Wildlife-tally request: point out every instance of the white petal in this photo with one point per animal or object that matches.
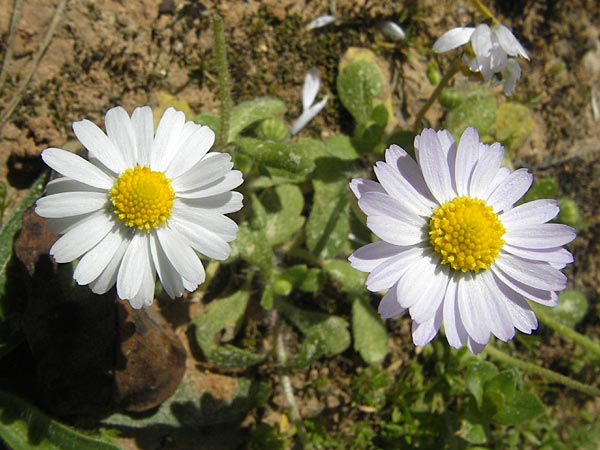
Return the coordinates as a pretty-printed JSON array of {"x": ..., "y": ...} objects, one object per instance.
[
  {"x": 509, "y": 42},
  {"x": 191, "y": 151},
  {"x": 544, "y": 235},
  {"x": 453, "y": 326},
  {"x": 467, "y": 155},
  {"x": 169, "y": 129},
  {"x": 432, "y": 295},
  {"x": 131, "y": 272},
  {"x": 389, "y": 272},
  {"x": 360, "y": 186},
  {"x": 452, "y": 39},
  {"x": 307, "y": 115},
  {"x": 169, "y": 277},
  {"x": 542, "y": 296},
  {"x": 145, "y": 295},
  {"x": 424, "y": 332},
  {"x": 556, "y": 257},
  {"x": 532, "y": 213},
  {"x": 226, "y": 183},
  {"x": 472, "y": 308},
  {"x": 497, "y": 315},
  {"x": 392, "y": 30},
  {"x": 378, "y": 204},
  {"x": 321, "y": 21},
  {"x": 395, "y": 231},
  {"x": 389, "y": 306},
  {"x": 310, "y": 88},
  {"x": 521, "y": 315},
  {"x": 434, "y": 165},
  {"x": 419, "y": 282},
  {"x": 401, "y": 178},
  {"x": 510, "y": 190},
  {"x": 82, "y": 237},
  {"x": 94, "y": 262},
  {"x": 99, "y": 146},
  {"x": 511, "y": 74},
  {"x": 536, "y": 274},
  {"x": 371, "y": 255},
  {"x": 120, "y": 131},
  {"x": 108, "y": 277},
  {"x": 201, "y": 239},
  {"x": 66, "y": 184},
  {"x": 224, "y": 203},
  {"x": 143, "y": 125},
  {"x": 180, "y": 255},
  {"x": 217, "y": 223},
  {"x": 481, "y": 40},
  {"x": 77, "y": 168},
  {"x": 213, "y": 167},
  {"x": 475, "y": 347},
  {"x": 488, "y": 165},
  {"x": 70, "y": 204}
]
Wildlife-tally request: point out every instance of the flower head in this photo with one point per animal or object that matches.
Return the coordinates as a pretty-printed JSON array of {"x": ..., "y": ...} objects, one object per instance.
[
  {"x": 144, "y": 204},
  {"x": 310, "y": 88},
  {"x": 491, "y": 51},
  {"x": 454, "y": 249}
]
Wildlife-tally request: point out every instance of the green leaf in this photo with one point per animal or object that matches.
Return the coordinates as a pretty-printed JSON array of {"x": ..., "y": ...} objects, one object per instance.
[
  {"x": 473, "y": 433},
  {"x": 571, "y": 309},
  {"x": 298, "y": 277},
  {"x": 249, "y": 112},
  {"x": 283, "y": 208},
  {"x": 293, "y": 158},
  {"x": 514, "y": 124},
  {"x": 331, "y": 330},
  {"x": 524, "y": 406},
  {"x": 369, "y": 332},
  {"x": 351, "y": 280},
  {"x": 477, "y": 375},
  {"x": 24, "y": 427},
  {"x": 253, "y": 246},
  {"x": 328, "y": 224},
  {"x": 478, "y": 109},
  {"x": 230, "y": 357},
  {"x": 210, "y": 120},
  {"x": 544, "y": 188},
  {"x": 341, "y": 147},
  {"x": 358, "y": 84}
]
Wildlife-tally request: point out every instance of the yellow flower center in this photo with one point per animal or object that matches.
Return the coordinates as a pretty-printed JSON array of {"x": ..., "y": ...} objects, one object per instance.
[
  {"x": 142, "y": 198},
  {"x": 466, "y": 233}
]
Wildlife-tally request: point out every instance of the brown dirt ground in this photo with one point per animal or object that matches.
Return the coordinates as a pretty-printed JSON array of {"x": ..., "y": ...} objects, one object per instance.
[{"x": 110, "y": 52}]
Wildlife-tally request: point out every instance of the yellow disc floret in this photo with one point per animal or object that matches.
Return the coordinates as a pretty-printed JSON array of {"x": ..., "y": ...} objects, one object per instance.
[
  {"x": 466, "y": 233},
  {"x": 142, "y": 198}
]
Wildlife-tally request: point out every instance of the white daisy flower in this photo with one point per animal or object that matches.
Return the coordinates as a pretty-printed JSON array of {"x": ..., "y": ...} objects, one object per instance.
[
  {"x": 454, "y": 249},
  {"x": 142, "y": 205},
  {"x": 491, "y": 48},
  {"x": 310, "y": 89}
]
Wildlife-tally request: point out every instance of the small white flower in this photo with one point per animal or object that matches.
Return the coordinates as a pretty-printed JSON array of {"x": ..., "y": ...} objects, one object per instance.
[
  {"x": 492, "y": 49},
  {"x": 310, "y": 88},
  {"x": 454, "y": 249},
  {"x": 321, "y": 21},
  {"x": 142, "y": 205},
  {"x": 392, "y": 30}
]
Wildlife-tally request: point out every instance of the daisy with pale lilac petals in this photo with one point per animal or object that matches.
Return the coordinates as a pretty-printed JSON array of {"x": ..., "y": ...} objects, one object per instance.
[
  {"x": 310, "y": 89},
  {"x": 491, "y": 51},
  {"x": 143, "y": 205},
  {"x": 454, "y": 249}
]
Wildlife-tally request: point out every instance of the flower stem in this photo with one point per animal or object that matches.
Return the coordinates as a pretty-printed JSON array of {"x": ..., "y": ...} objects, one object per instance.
[
  {"x": 286, "y": 385},
  {"x": 486, "y": 12},
  {"x": 223, "y": 78},
  {"x": 545, "y": 373},
  {"x": 576, "y": 337},
  {"x": 435, "y": 94}
]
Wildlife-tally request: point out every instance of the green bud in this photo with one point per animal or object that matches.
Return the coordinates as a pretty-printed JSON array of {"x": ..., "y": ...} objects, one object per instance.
[
  {"x": 272, "y": 129},
  {"x": 451, "y": 98},
  {"x": 570, "y": 213},
  {"x": 433, "y": 74},
  {"x": 282, "y": 287}
]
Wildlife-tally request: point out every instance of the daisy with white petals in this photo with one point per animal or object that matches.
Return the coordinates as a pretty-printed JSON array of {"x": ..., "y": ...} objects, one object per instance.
[
  {"x": 144, "y": 204},
  {"x": 454, "y": 249},
  {"x": 491, "y": 49}
]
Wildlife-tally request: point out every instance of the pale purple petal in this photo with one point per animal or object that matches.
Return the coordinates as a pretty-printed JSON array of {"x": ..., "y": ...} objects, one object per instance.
[
  {"x": 544, "y": 235},
  {"x": 453, "y": 326},
  {"x": 389, "y": 271},
  {"x": 395, "y": 231},
  {"x": 389, "y": 306},
  {"x": 510, "y": 190},
  {"x": 473, "y": 311},
  {"x": 536, "y": 274},
  {"x": 424, "y": 332},
  {"x": 534, "y": 213},
  {"x": 378, "y": 204},
  {"x": 467, "y": 155},
  {"x": 556, "y": 257},
  {"x": 360, "y": 186},
  {"x": 488, "y": 165},
  {"x": 542, "y": 296},
  {"x": 371, "y": 255}
]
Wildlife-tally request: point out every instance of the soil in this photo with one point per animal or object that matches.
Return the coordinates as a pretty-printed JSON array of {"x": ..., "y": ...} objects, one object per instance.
[{"x": 109, "y": 52}]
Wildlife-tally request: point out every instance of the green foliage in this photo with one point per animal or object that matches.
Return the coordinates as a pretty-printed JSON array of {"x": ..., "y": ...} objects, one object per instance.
[
  {"x": 514, "y": 124},
  {"x": 476, "y": 108},
  {"x": 283, "y": 213},
  {"x": 250, "y": 112},
  {"x": 570, "y": 214},
  {"x": 571, "y": 309},
  {"x": 273, "y": 129},
  {"x": 24, "y": 427},
  {"x": 358, "y": 84},
  {"x": 543, "y": 188},
  {"x": 223, "y": 317},
  {"x": 369, "y": 332}
]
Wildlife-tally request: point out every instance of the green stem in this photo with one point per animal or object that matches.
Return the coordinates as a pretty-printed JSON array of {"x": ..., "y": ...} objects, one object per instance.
[
  {"x": 435, "y": 94},
  {"x": 486, "y": 12},
  {"x": 223, "y": 78},
  {"x": 542, "y": 372},
  {"x": 286, "y": 385},
  {"x": 576, "y": 337}
]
